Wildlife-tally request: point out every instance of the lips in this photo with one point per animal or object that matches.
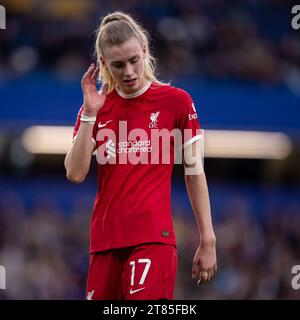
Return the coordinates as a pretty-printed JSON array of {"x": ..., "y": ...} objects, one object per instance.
[{"x": 130, "y": 82}]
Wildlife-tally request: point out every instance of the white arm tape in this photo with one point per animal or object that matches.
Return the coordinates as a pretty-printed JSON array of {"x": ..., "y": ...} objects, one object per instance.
[{"x": 194, "y": 161}]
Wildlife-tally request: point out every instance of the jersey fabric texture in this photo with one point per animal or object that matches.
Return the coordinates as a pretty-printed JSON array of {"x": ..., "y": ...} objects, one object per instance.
[{"x": 133, "y": 200}]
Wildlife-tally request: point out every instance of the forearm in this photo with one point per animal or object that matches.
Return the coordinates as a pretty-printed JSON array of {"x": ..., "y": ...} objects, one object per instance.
[
  {"x": 199, "y": 198},
  {"x": 78, "y": 159}
]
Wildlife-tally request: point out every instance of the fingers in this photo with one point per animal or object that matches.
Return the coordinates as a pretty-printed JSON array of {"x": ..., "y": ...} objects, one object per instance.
[
  {"x": 104, "y": 89},
  {"x": 213, "y": 270},
  {"x": 89, "y": 73},
  {"x": 203, "y": 277},
  {"x": 195, "y": 271},
  {"x": 90, "y": 70},
  {"x": 210, "y": 274},
  {"x": 206, "y": 275},
  {"x": 95, "y": 73}
]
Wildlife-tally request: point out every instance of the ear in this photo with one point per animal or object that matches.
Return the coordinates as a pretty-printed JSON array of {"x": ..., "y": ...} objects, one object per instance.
[{"x": 103, "y": 62}]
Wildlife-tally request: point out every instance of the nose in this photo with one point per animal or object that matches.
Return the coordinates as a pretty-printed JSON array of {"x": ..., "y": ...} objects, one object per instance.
[{"x": 128, "y": 70}]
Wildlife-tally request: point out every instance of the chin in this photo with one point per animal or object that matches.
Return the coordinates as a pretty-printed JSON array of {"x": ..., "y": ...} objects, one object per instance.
[{"x": 131, "y": 89}]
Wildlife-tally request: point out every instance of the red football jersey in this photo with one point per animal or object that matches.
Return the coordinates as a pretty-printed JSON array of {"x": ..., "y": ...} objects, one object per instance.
[{"x": 133, "y": 201}]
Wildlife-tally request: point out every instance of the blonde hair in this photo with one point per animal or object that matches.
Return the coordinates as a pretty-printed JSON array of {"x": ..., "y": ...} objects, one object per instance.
[{"x": 115, "y": 29}]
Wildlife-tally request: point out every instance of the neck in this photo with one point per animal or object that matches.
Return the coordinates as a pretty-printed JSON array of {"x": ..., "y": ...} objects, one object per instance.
[{"x": 136, "y": 93}]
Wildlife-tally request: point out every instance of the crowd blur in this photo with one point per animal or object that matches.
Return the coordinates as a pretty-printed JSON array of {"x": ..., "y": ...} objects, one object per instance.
[
  {"x": 45, "y": 250},
  {"x": 255, "y": 254},
  {"x": 218, "y": 39}
]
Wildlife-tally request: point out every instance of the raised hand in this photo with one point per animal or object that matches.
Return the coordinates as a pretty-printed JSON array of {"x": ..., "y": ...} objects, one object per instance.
[{"x": 92, "y": 99}]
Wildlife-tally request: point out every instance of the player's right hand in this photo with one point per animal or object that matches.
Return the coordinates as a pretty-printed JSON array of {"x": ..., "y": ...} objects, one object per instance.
[{"x": 92, "y": 99}]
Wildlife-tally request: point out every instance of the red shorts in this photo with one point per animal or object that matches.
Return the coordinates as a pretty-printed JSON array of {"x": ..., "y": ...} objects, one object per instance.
[{"x": 145, "y": 272}]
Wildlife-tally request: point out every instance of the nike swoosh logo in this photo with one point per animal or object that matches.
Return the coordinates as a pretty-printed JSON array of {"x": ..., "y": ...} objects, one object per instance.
[
  {"x": 103, "y": 125},
  {"x": 90, "y": 295},
  {"x": 134, "y": 291}
]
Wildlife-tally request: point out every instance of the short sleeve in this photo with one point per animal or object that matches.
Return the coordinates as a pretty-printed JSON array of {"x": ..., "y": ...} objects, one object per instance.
[
  {"x": 187, "y": 118},
  {"x": 77, "y": 126}
]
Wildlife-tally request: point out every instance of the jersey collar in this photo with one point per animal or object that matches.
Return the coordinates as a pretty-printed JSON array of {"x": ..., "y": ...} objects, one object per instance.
[{"x": 134, "y": 94}]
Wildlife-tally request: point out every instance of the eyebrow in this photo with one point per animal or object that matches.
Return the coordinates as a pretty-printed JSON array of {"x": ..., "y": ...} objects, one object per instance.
[{"x": 135, "y": 56}]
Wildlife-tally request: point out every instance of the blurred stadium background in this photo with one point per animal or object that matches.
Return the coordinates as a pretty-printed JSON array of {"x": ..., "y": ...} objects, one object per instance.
[{"x": 240, "y": 60}]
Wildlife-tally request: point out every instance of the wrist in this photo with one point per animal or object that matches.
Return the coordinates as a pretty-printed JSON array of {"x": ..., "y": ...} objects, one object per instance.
[
  {"x": 87, "y": 119},
  {"x": 208, "y": 239},
  {"x": 88, "y": 113}
]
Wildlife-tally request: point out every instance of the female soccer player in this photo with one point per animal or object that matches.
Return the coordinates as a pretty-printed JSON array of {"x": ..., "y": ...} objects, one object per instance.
[{"x": 132, "y": 242}]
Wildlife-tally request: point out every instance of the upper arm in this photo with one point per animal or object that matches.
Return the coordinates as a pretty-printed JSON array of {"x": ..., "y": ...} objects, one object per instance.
[
  {"x": 192, "y": 136},
  {"x": 193, "y": 158}
]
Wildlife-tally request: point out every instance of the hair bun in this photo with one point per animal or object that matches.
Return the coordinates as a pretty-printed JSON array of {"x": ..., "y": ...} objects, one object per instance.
[
  {"x": 111, "y": 19},
  {"x": 115, "y": 16}
]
